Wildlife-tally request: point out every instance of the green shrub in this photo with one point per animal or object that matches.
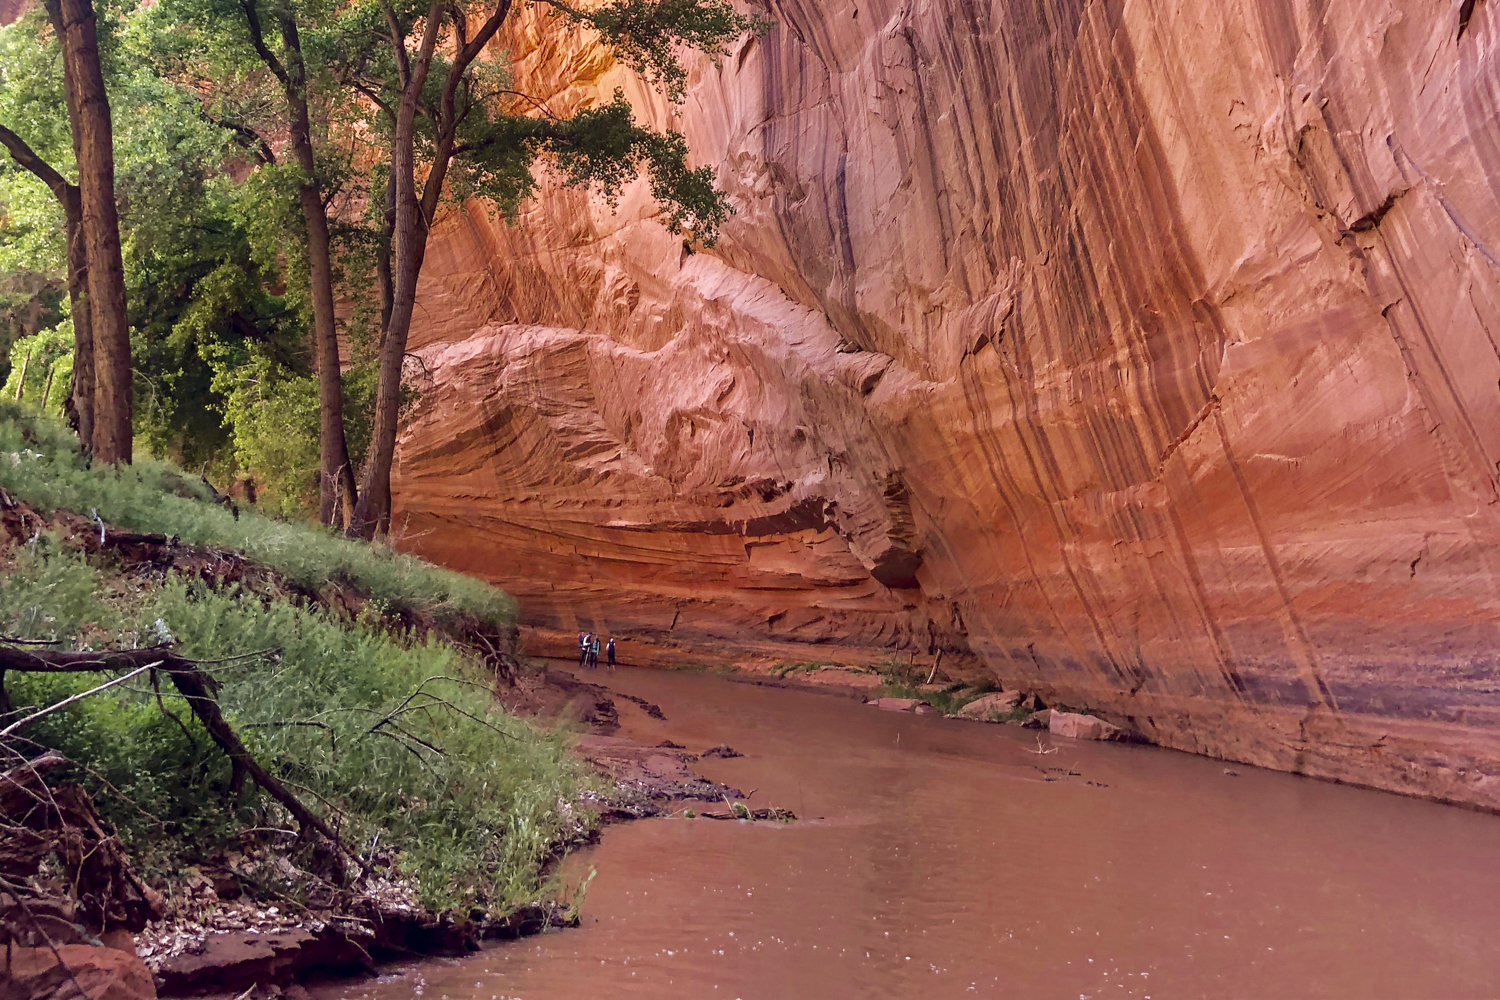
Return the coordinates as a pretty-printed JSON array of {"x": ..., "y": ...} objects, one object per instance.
[
  {"x": 40, "y": 464},
  {"x": 948, "y": 701},
  {"x": 786, "y": 668},
  {"x": 381, "y": 738}
]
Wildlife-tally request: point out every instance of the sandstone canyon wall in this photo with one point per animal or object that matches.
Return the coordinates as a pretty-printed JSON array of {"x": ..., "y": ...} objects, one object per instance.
[{"x": 1141, "y": 353}]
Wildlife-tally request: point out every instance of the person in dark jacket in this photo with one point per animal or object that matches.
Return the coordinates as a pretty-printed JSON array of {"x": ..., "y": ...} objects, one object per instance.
[{"x": 609, "y": 652}]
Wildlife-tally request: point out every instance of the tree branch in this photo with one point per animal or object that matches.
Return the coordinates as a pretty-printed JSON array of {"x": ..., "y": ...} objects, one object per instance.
[
  {"x": 27, "y": 157},
  {"x": 247, "y": 137},
  {"x": 374, "y": 97},
  {"x": 447, "y": 126},
  {"x": 28, "y": 661},
  {"x": 258, "y": 40},
  {"x": 398, "y": 44}
]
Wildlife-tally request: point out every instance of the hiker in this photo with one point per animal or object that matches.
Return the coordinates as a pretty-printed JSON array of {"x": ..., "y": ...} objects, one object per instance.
[
  {"x": 609, "y": 652},
  {"x": 594, "y": 654},
  {"x": 583, "y": 648}
]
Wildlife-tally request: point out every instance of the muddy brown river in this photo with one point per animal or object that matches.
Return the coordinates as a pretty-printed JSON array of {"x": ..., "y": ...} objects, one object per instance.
[{"x": 944, "y": 859}]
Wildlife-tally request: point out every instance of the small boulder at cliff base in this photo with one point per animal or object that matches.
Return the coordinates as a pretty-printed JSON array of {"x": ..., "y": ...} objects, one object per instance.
[
  {"x": 989, "y": 707},
  {"x": 1082, "y": 727}
]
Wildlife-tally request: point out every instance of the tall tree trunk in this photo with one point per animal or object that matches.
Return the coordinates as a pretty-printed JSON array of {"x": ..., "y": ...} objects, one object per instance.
[
  {"x": 336, "y": 488},
  {"x": 83, "y": 338},
  {"x": 84, "y": 386},
  {"x": 21, "y": 382},
  {"x": 412, "y": 226},
  {"x": 383, "y": 255},
  {"x": 93, "y": 137},
  {"x": 81, "y": 395},
  {"x": 372, "y": 517}
]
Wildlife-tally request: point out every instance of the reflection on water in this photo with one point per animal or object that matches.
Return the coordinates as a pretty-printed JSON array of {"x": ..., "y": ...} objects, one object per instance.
[{"x": 948, "y": 859}]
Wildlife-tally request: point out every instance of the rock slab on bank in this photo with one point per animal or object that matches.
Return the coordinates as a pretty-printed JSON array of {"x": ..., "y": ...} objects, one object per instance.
[
  {"x": 103, "y": 973},
  {"x": 1082, "y": 727},
  {"x": 985, "y": 708},
  {"x": 241, "y": 957}
]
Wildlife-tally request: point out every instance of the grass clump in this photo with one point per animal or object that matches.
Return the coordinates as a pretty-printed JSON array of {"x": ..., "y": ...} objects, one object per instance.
[
  {"x": 394, "y": 743},
  {"x": 40, "y": 465},
  {"x": 786, "y": 668},
  {"x": 946, "y": 701},
  {"x": 903, "y": 679},
  {"x": 723, "y": 670}
]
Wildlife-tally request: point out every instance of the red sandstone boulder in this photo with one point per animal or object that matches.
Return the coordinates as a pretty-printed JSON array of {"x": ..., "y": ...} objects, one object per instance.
[
  {"x": 1081, "y": 727},
  {"x": 988, "y": 707},
  {"x": 228, "y": 960},
  {"x": 1039, "y": 720},
  {"x": 102, "y": 973}
]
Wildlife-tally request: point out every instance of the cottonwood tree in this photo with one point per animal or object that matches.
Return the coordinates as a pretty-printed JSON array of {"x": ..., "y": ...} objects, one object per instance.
[
  {"x": 273, "y": 31},
  {"x": 446, "y": 114},
  {"x": 93, "y": 141}
]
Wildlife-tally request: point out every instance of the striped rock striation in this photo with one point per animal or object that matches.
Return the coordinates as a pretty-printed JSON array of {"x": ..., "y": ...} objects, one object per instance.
[{"x": 1145, "y": 354}]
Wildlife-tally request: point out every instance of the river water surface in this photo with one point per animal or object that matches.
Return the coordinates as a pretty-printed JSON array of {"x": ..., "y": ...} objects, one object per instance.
[{"x": 945, "y": 859}]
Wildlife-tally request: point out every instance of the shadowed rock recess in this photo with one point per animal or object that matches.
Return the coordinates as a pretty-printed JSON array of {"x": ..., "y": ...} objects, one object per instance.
[{"x": 1140, "y": 354}]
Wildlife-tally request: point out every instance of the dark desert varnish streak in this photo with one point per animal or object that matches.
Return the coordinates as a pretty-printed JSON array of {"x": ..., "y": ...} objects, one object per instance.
[{"x": 945, "y": 864}]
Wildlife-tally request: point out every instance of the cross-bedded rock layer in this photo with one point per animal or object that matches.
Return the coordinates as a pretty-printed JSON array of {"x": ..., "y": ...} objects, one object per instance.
[{"x": 1141, "y": 353}]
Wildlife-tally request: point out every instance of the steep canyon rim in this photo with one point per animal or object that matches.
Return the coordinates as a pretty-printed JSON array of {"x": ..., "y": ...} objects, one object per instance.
[{"x": 1139, "y": 353}]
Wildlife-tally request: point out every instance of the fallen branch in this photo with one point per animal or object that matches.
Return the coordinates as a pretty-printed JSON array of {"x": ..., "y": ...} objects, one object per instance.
[
  {"x": 1039, "y": 748},
  {"x": 48, "y": 662},
  {"x": 198, "y": 688},
  {"x": 49, "y": 753},
  {"x": 16, "y": 784}
]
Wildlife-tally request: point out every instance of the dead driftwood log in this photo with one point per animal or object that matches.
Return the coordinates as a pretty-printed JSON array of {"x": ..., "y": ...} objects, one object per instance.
[
  {"x": 199, "y": 689},
  {"x": 38, "y": 822}
]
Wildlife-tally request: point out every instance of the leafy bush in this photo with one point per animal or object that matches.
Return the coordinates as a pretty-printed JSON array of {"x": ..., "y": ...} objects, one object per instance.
[
  {"x": 40, "y": 464},
  {"x": 275, "y": 430}
]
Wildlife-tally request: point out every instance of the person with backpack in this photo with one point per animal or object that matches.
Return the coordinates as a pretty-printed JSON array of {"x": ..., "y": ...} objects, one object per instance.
[
  {"x": 609, "y": 652},
  {"x": 583, "y": 648},
  {"x": 594, "y": 653}
]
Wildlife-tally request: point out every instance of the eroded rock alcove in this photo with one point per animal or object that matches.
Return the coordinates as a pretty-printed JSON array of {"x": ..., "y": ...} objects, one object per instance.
[{"x": 1139, "y": 353}]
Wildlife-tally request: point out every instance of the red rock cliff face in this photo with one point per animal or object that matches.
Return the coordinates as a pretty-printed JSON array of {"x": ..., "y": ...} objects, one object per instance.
[{"x": 1148, "y": 353}]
